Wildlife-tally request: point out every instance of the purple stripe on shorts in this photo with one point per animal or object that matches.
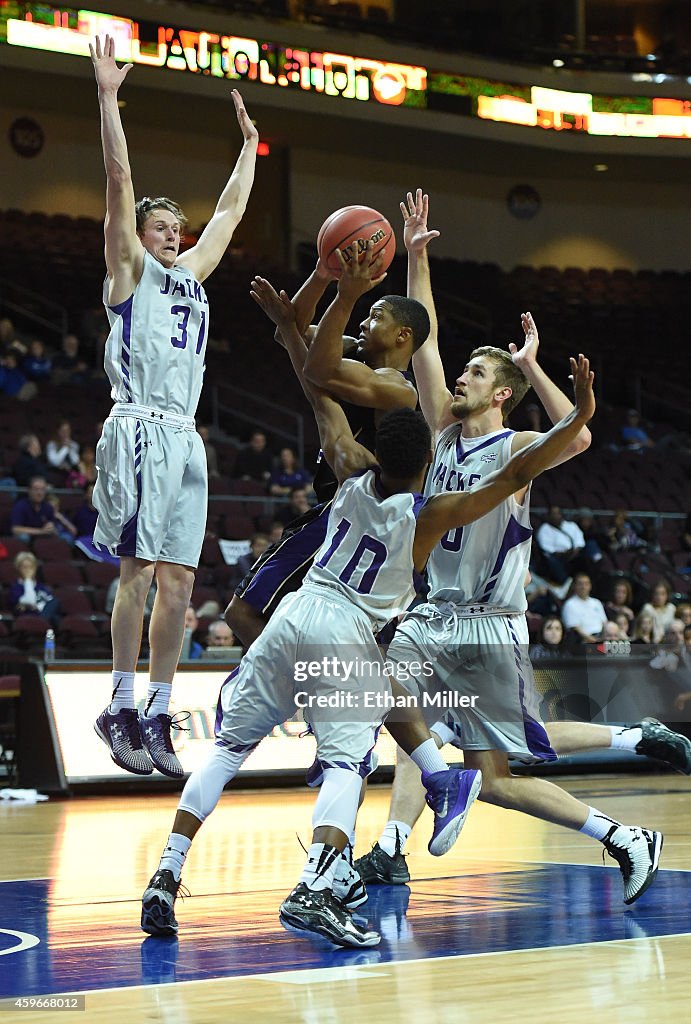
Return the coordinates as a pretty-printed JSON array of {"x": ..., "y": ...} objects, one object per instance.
[
  {"x": 128, "y": 538},
  {"x": 536, "y": 736},
  {"x": 219, "y": 708}
]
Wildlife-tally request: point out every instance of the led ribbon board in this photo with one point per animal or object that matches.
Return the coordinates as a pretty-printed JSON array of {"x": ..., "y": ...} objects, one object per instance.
[{"x": 67, "y": 30}]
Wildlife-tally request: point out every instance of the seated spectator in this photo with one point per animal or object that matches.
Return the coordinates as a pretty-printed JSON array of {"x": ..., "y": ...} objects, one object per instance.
[
  {"x": 211, "y": 453},
  {"x": 62, "y": 450},
  {"x": 289, "y": 475},
  {"x": 671, "y": 651},
  {"x": 623, "y": 534},
  {"x": 683, "y": 612},
  {"x": 30, "y": 462},
  {"x": 64, "y": 529},
  {"x": 276, "y": 532},
  {"x": 85, "y": 471},
  {"x": 560, "y": 542},
  {"x": 642, "y": 629},
  {"x": 540, "y": 598},
  {"x": 595, "y": 538},
  {"x": 661, "y": 609},
  {"x": 29, "y": 596},
  {"x": 37, "y": 364},
  {"x": 551, "y": 643},
  {"x": 258, "y": 544},
  {"x": 85, "y": 515},
  {"x": 582, "y": 613},
  {"x": 299, "y": 505},
  {"x": 33, "y": 516},
  {"x": 254, "y": 462},
  {"x": 685, "y": 671},
  {"x": 13, "y": 382},
  {"x": 620, "y": 601},
  {"x": 191, "y": 649},
  {"x": 624, "y": 623},
  {"x": 634, "y": 437},
  {"x": 219, "y": 634},
  {"x": 68, "y": 366}
]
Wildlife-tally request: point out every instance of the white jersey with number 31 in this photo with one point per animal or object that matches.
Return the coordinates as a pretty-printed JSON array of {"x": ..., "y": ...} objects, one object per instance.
[{"x": 157, "y": 343}]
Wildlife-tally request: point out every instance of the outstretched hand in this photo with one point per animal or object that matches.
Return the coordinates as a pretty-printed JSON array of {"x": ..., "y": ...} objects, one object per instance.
[
  {"x": 583, "y": 378},
  {"x": 415, "y": 234},
  {"x": 277, "y": 306},
  {"x": 246, "y": 125},
  {"x": 361, "y": 271},
  {"x": 109, "y": 77},
  {"x": 531, "y": 343}
]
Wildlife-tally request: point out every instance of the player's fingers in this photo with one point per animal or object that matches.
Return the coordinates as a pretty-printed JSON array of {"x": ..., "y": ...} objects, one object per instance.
[
  {"x": 404, "y": 211},
  {"x": 512, "y": 348}
]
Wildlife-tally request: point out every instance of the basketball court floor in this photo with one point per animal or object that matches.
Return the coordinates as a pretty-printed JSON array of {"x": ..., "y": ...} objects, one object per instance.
[{"x": 522, "y": 921}]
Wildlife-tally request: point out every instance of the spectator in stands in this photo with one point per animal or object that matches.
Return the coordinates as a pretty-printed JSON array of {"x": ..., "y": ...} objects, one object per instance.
[
  {"x": 37, "y": 364},
  {"x": 595, "y": 538},
  {"x": 64, "y": 529},
  {"x": 633, "y": 436},
  {"x": 33, "y": 516},
  {"x": 211, "y": 453},
  {"x": 84, "y": 472},
  {"x": 275, "y": 532},
  {"x": 13, "y": 382},
  {"x": 68, "y": 366},
  {"x": 299, "y": 505},
  {"x": 85, "y": 515},
  {"x": 685, "y": 667},
  {"x": 551, "y": 643},
  {"x": 624, "y": 534},
  {"x": 62, "y": 450},
  {"x": 669, "y": 653},
  {"x": 624, "y": 623},
  {"x": 254, "y": 462},
  {"x": 561, "y": 542},
  {"x": 30, "y": 462},
  {"x": 219, "y": 634},
  {"x": 620, "y": 601},
  {"x": 289, "y": 475},
  {"x": 29, "y": 596},
  {"x": 7, "y": 333},
  {"x": 195, "y": 649},
  {"x": 683, "y": 612},
  {"x": 661, "y": 609},
  {"x": 258, "y": 544},
  {"x": 642, "y": 629},
  {"x": 582, "y": 613}
]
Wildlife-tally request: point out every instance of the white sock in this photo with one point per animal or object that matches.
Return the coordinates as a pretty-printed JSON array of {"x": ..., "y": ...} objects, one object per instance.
[
  {"x": 625, "y": 738},
  {"x": 396, "y": 834},
  {"x": 173, "y": 857},
  {"x": 123, "y": 691},
  {"x": 598, "y": 824},
  {"x": 428, "y": 759},
  {"x": 157, "y": 699},
  {"x": 320, "y": 868}
]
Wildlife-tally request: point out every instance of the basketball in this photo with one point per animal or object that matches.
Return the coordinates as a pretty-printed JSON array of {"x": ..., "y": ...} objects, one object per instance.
[{"x": 345, "y": 226}]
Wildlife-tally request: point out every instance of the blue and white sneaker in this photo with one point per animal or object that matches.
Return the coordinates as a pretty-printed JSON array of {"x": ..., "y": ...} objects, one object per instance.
[
  {"x": 450, "y": 794},
  {"x": 120, "y": 733},
  {"x": 155, "y": 732}
]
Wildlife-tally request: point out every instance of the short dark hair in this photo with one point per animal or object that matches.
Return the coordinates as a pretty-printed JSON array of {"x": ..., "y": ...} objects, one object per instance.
[
  {"x": 506, "y": 375},
  {"x": 409, "y": 313},
  {"x": 146, "y": 206},
  {"x": 403, "y": 443}
]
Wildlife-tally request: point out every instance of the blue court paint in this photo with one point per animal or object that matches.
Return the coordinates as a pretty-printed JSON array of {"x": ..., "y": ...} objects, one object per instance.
[{"x": 89, "y": 946}]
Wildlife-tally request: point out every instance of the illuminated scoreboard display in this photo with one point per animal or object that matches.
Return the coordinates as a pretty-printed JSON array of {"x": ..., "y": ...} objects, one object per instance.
[{"x": 360, "y": 79}]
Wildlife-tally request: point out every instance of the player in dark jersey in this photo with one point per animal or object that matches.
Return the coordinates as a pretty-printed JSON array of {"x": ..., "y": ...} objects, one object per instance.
[{"x": 373, "y": 383}]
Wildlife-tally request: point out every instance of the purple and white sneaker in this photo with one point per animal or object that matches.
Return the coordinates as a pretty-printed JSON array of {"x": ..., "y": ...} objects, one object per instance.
[
  {"x": 155, "y": 731},
  {"x": 120, "y": 733},
  {"x": 450, "y": 794}
]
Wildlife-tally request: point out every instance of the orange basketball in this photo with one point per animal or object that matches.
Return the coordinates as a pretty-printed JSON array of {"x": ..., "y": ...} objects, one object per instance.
[{"x": 352, "y": 223}]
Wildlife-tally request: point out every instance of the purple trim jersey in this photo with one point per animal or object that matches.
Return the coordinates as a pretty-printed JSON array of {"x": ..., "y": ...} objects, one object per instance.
[{"x": 485, "y": 562}]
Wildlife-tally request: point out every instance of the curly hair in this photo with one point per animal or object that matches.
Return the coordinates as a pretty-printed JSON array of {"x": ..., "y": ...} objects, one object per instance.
[
  {"x": 409, "y": 313},
  {"x": 403, "y": 443}
]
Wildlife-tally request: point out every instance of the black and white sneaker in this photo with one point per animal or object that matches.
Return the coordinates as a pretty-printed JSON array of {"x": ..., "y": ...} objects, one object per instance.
[
  {"x": 637, "y": 851},
  {"x": 319, "y": 912},
  {"x": 120, "y": 733},
  {"x": 158, "y": 904},
  {"x": 379, "y": 868},
  {"x": 662, "y": 744},
  {"x": 348, "y": 886}
]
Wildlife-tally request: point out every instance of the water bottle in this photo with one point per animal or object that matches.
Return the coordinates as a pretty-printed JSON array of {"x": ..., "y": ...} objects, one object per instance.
[{"x": 49, "y": 647}]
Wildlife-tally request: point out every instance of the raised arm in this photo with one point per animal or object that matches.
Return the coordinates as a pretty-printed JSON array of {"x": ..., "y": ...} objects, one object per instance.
[
  {"x": 435, "y": 397},
  {"x": 204, "y": 257},
  {"x": 342, "y": 451},
  {"x": 348, "y": 379},
  {"x": 123, "y": 251},
  {"x": 554, "y": 400},
  {"x": 446, "y": 511}
]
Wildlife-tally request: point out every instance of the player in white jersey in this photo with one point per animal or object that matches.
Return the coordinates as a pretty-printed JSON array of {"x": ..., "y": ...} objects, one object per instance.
[
  {"x": 473, "y": 627},
  {"x": 151, "y": 490},
  {"x": 319, "y": 645}
]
